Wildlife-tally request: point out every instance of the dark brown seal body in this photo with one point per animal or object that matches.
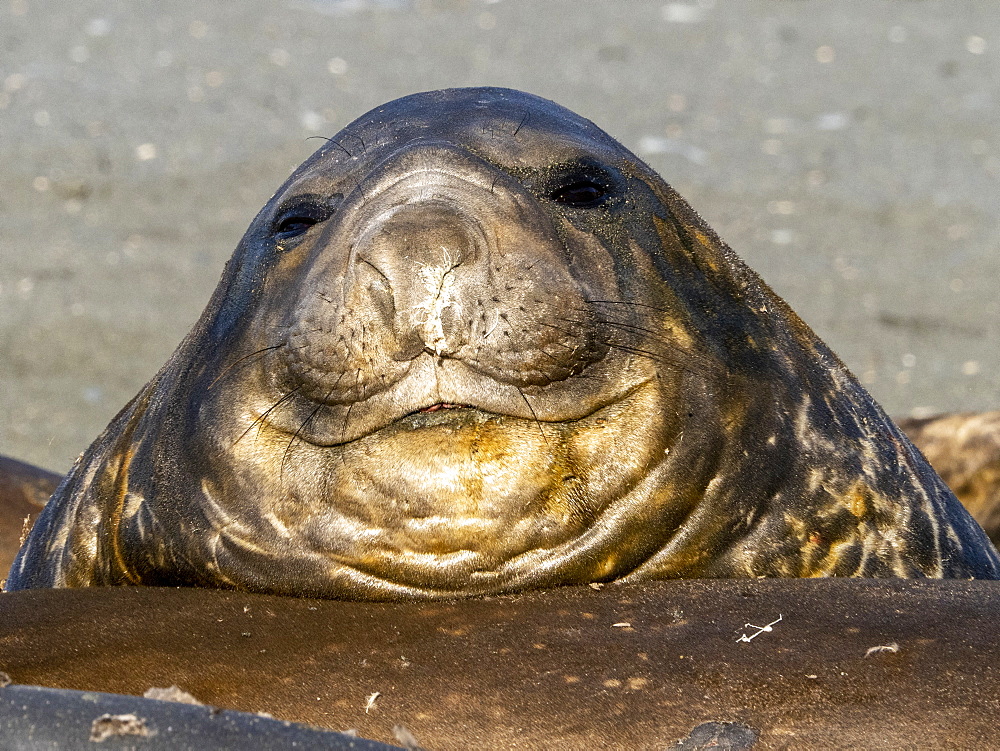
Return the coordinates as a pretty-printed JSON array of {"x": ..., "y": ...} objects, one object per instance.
[
  {"x": 24, "y": 489},
  {"x": 474, "y": 345},
  {"x": 964, "y": 449},
  {"x": 850, "y": 663}
]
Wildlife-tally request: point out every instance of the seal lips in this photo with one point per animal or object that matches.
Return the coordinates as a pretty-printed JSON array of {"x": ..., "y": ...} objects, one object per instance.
[
  {"x": 488, "y": 349},
  {"x": 440, "y": 405},
  {"x": 432, "y": 382}
]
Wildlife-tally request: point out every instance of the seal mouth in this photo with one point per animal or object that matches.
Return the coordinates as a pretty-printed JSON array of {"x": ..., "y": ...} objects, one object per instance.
[
  {"x": 439, "y": 406},
  {"x": 441, "y": 413},
  {"x": 442, "y": 389}
]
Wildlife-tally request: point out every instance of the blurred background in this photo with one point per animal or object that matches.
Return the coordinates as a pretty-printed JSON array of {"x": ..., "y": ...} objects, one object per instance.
[{"x": 847, "y": 149}]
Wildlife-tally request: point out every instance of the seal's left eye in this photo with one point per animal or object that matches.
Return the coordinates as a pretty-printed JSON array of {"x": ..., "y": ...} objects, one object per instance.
[
  {"x": 299, "y": 218},
  {"x": 581, "y": 195}
]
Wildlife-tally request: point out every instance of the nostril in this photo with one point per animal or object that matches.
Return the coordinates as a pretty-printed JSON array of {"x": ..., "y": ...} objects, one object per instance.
[
  {"x": 378, "y": 288},
  {"x": 409, "y": 347}
]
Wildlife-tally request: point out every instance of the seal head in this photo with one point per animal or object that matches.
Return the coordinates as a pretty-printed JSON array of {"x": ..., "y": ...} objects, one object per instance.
[{"x": 474, "y": 345}]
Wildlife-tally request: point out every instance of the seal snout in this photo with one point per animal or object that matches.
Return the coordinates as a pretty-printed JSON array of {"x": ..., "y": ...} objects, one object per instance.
[
  {"x": 439, "y": 257},
  {"x": 427, "y": 253}
]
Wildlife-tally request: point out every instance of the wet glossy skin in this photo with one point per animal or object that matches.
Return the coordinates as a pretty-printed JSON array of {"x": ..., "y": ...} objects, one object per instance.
[{"x": 474, "y": 345}]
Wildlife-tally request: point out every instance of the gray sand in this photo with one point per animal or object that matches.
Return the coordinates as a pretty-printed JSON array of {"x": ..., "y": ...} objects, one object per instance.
[{"x": 846, "y": 149}]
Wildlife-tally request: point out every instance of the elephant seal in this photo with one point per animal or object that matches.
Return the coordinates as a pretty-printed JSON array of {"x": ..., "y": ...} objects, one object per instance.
[
  {"x": 472, "y": 346},
  {"x": 847, "y": 663},
  {"x": 964, "y": 449},
  {"x": 24, "y": 489}
]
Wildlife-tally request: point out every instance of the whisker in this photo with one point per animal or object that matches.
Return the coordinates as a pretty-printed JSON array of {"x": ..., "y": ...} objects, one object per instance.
[
  {"x": 682, "y": 359},
  {"x": 562, "y": 331},
  {"x": 531, "y": 409},
  {"x": 633, "y": 350},
  {"x": 630, "y": 303},
  {"x": 298, "y": 432},
  {"x": 343, "y": 433},
  {"x": 260, "y": 418},
  {"x": 334, "y": 142},
  {"x": 654, "y": 357},
  {"x": 245, "y": 357},
  {"x": 634, "y": 327},
  {"x": 523, "y": 121}
]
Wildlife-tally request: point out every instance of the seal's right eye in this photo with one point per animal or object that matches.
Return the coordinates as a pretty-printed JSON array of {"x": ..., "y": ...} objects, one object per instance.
[
  {"x": 582, "y": 194},
  {"x": 299, "y": 217},
  {"x": 293, "y": 226}
]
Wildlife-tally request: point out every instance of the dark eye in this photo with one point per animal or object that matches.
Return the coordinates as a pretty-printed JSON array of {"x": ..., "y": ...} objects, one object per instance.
[
  {"x": 298, "y": 218},
  {"x": 584, "y": 194},
  {"x": 293, "y": 226}
]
